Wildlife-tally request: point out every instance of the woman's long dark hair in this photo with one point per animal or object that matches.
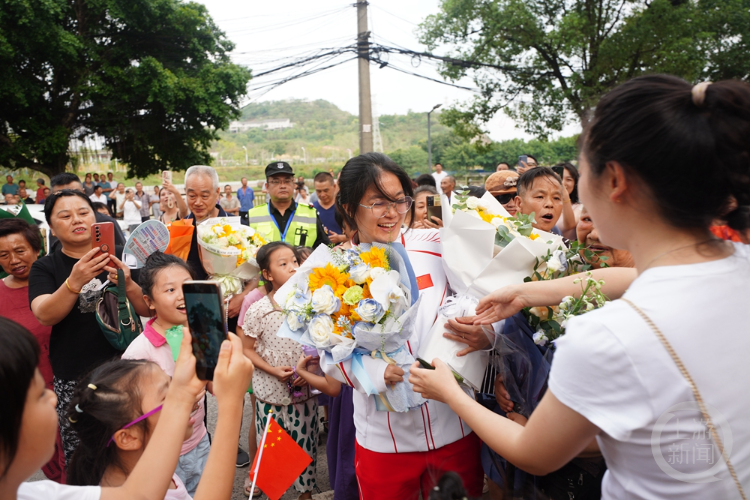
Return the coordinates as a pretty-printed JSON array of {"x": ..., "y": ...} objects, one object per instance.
[
  {"x": 361, "y": 172},
  {"x": 573, "y": 171},
  {"x": 103, "y": 411},
  {"x": 19, "y": 357},
  {"x": 692, "y": 154}
]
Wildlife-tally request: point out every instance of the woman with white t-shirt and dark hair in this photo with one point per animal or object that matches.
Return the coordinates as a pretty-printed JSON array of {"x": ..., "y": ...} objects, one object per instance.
[
  {"x": 399, "y": 455},
  {"x": 647, "y": 376}
]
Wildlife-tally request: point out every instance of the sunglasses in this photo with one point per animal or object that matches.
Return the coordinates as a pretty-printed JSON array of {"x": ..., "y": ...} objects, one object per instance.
[{"x": 505, "y": 198}]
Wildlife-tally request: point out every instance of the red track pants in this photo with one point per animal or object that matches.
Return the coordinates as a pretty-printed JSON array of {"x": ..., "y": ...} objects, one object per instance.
[{"x": 401, "y": 476}]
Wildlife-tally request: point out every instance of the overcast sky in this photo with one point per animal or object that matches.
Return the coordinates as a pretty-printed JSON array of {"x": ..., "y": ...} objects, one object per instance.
[{"x": 267, "y": 32}]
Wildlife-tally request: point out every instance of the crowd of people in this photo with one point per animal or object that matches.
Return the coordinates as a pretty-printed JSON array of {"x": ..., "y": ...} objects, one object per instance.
[{"x": 636, "y": 402}]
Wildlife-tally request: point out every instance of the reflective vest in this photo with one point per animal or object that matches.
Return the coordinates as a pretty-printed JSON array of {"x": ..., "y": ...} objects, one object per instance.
[{"x": 301, "y": 230}]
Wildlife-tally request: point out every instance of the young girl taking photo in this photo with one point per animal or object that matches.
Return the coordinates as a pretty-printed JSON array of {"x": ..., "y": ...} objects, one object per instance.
[
  {"x": 275, "y": 383},
  {"x": 105, "y": 412},
  {"x": 161, "y": 280}
]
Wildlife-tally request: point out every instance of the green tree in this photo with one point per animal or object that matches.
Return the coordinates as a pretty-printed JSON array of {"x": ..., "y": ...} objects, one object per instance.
[
  {"x": 413, "y": 159},
  {"x": 151, "y": 77},
  {"x": 547, "y": 62}
]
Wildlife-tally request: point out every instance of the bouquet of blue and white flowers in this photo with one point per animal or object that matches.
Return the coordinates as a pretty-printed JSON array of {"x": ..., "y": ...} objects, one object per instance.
[{"x": 355, "y": 303}]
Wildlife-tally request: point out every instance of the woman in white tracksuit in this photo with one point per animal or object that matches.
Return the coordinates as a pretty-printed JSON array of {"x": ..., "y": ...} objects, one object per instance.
[{"x": 400, "y": 454}]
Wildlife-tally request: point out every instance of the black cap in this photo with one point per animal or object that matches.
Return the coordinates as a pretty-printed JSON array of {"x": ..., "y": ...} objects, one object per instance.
[{"x": 278, "y": 167}]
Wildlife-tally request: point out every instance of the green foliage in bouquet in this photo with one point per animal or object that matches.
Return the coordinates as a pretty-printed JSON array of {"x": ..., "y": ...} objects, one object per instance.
[{"x": 550, "y": 322}]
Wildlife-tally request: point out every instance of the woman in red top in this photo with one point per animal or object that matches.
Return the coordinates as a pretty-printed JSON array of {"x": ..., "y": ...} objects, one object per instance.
[{"x": 20, "y": 243}]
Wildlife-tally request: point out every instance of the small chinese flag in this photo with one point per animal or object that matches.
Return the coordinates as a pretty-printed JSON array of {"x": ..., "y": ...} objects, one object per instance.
[{"x": 282, "y": 462}]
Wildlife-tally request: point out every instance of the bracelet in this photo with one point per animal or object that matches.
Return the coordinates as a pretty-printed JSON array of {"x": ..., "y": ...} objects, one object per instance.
[
  {"x": 73, "y": 291},
  {"x": 566, "y": 201}
]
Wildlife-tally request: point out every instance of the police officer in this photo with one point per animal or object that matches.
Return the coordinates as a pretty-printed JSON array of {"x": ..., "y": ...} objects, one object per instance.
[{"x": 282, "y": 219}]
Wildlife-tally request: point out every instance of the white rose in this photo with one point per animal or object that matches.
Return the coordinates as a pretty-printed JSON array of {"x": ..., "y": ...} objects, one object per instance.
[
  {"x": 250, "y": 231},
  {"x": 483, "y": 204},
  {"x": 370, "y": 310},
  {"x": 472, "y": 202},
  {"x": 320, "y": 330},
  {"x": 325, "y": 301},
  {"x": 497, "y": 222},
  {"x": 359, "y": 273},
  {"x": 376, "y": 272}
]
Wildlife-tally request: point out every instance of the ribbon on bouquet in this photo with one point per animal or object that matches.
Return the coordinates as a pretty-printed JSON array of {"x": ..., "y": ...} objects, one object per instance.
[{"x": 358, "y": 369}]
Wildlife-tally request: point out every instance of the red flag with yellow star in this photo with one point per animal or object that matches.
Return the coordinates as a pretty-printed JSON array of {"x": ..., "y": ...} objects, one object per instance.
[{"x": 282, "y": 461}]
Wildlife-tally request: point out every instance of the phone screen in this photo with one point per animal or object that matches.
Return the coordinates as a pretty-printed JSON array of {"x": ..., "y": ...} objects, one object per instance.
[
  {"x": 433, "y": 208},
  {"x": 205, "y": 314},
  {"x": 166, "y": 175}
]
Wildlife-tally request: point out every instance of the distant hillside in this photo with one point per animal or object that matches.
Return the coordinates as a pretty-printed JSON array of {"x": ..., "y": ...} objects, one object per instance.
[
  {"x": 325, "y": 131},
  {"x": 297, "y": 110},
  {"x": 329, "y": 137}
]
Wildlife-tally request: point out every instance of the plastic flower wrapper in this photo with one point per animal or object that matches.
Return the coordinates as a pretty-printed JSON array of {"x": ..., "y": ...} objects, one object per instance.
[
  {"x": 228, "y": 249},
  {"x": 480, "y": 256},
  {"x": 521, "y": 364},
  {"x": 352, "y": 304},
  {"x": 469, "y": 369},
  {"x": 483, "y": 249}
]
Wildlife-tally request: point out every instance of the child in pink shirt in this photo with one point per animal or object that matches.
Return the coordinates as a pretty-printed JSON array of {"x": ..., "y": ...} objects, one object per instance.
[{"x": 161, "y": 280}]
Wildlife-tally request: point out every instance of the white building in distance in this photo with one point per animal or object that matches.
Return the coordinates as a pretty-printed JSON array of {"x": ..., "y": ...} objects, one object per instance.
[{"x": 270, "y": 124}]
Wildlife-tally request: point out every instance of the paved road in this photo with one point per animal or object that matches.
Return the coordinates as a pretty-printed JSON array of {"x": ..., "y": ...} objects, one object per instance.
[{"x": 322, "y": 470}]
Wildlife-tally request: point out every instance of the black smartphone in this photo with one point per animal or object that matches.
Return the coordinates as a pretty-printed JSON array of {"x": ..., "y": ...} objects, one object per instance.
[
  {"x": 204, "y": 303},
  {"x": 433, "y": 208},
  {"x": 425, "y": 364},
  {"x": 558, "y": 169}
]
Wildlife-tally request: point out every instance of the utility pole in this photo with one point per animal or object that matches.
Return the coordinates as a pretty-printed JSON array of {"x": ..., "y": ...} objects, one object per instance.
[
  {"x": 429, "y": 136},
  {"x": 365, "y": 103}
]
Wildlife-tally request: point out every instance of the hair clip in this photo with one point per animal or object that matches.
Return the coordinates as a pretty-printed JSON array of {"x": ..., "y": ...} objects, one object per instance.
[
  {"x": 699, "y": 93},
  {"x": 79, "y": 410},
  {"x": 92, "y": 387}
]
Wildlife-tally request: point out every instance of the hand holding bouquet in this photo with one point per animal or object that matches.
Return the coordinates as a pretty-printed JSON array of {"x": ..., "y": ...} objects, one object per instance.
[
  {"x": 228, "y": 251},
  {"x": 355, "y": 303}
]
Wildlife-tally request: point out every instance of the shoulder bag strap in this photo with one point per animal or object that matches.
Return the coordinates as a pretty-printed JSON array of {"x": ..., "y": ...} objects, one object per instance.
[
  {"x": 694, "y": 388},
  {"x": 124, "y": 318}
]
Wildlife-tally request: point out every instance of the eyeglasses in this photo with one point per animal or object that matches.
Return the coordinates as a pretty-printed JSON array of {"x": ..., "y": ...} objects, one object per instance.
[
  {"x": 131, "y": 424},
  {"x": 276, "y": 182},
  {"x": 381, "y": 208}
]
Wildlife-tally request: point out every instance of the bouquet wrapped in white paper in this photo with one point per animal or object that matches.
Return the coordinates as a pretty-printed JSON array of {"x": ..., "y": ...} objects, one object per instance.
[
  {"x": 228, "y": 249},
  {"x": 483, "y": 249},
  {"x": 355, "y": 304}
]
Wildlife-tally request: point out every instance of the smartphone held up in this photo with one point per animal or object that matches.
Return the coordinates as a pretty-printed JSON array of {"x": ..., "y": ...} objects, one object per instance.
[
  {"x": 204, "y": 304},
  {"x": 103, "y": 237},
  {"x": 433, "y": 208}
]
